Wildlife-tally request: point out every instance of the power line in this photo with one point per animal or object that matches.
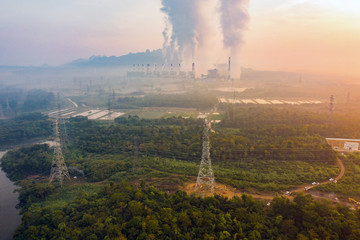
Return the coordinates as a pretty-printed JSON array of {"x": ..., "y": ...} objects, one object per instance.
[
  {"x": 205, "y": 181},
  {"x": 58, "y": 167}
]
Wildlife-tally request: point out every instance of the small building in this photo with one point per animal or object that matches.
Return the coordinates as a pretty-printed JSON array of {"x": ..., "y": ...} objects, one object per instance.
[{"x": 343, "y": 144}]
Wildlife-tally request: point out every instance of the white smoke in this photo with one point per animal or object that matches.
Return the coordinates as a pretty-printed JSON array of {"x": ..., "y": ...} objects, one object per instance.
[
  {"x": 182, "y": 16},
  {"x": 234, "y": 20},
  {"x": 203, "y": 31}
]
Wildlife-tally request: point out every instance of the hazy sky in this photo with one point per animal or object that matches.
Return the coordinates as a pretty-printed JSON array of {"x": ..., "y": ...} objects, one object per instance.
[{"x": 302, "y": 35}]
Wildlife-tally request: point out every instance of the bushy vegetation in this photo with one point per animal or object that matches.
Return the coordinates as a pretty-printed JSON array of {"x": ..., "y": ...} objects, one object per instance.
[
  {"x": 274, "y": 157},
  {"x": 254, "y": 149},
  {"x": 121, "y": 211},
  {"x": 19, "y": 164},
  {"x": 24, "y": 128},
  {"x": 349, "y": 185},
  {"x": 198, "y": 100},
  {"x": 293, "y": 120},
  {"x": 275, "y": 160}
]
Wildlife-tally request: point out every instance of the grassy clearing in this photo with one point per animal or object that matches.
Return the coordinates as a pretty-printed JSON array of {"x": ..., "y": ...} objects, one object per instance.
[
  {"x": 251, "y": 175},
  {"x": 153, "y": 113},
  {"x": 67, "y": 194}
]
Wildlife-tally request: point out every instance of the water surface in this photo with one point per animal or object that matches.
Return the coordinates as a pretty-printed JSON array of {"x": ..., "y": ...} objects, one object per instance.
[{"x": 9, "y": 215}]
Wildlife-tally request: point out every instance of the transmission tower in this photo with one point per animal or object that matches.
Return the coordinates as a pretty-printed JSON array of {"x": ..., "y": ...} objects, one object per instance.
[
  {"x": 61, "y": 125},
  {"x": 111, "y": 102},
  {"x": 136, "y": 163},
  {"x": 331, "y": 109},
  {"x": 205, "y": 182},
  {"x": 1, "y": 112},
  {"x": 58, "y": 167}
]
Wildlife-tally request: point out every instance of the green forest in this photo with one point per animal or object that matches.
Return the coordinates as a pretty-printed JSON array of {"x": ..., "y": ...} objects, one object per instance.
[
  {"x": 198, "y": 100},
  {"x": 121, "y": 211},
  {"x": 24, "y": 128},
  {"x": 27, "y": 161},
  {"x": 129, "y": 172},
  {"x": 349, "y": 185}
]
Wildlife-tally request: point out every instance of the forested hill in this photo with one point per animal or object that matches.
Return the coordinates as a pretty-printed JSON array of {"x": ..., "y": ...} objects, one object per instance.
[
  {"x": 147, "y": 57},
  {"x": 121, "y": 211}
]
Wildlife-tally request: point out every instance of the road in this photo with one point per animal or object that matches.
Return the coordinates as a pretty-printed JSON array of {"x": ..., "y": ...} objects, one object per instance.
[
  {"x": 74, "y": 103},
  {"x": 231, "y": 192},
  {"x": 341, "y": 174}
]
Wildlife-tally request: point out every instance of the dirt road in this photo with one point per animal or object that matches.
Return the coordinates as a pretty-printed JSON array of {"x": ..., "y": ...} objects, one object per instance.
[
  {"x": 309, "y": 186},
  {"x": 230, "y": 192}
]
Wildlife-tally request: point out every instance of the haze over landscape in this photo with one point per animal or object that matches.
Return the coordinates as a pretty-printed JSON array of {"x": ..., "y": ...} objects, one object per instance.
[
  {"x": 318, "y": 36},
  {"x": 180, "y": 119}
]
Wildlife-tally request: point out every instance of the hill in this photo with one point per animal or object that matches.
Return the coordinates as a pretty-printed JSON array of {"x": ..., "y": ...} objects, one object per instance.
[{"x": 147, "y": 57}]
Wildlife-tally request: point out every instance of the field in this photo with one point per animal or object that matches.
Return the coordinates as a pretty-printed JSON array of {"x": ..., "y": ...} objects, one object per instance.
[{"x": 163, "y": 112}]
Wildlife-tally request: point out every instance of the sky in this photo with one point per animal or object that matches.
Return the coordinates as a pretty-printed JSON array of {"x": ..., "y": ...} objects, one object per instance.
[{"x": 317, "y": 36}]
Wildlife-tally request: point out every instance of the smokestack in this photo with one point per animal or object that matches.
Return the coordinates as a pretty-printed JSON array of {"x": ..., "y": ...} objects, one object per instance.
[
  {"x": 193, "y": 67},
  {"x": 179, "y": 67},
  {"x": 229, "y": 76}
]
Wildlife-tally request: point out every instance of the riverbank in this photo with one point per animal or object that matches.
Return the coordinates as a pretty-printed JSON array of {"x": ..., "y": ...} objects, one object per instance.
[{"x": 9, "y": 215}]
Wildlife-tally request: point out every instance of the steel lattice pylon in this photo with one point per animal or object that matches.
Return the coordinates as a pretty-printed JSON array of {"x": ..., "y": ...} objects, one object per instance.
[
  {"x": 59, "y": 169},
  {"x": 205, "y": 182}
]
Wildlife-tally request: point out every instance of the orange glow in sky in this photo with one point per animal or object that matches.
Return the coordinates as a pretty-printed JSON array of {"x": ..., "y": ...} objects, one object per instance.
[
  {"x": 306, "y": 36},
  {"x": 320, "y": 36}
]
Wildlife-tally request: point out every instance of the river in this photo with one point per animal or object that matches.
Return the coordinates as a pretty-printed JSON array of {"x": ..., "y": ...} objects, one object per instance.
[{"x": 9, "y": 215}]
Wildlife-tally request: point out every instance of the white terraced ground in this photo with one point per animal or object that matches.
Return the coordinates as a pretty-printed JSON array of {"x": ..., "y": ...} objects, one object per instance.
[
  {"x": 261, "y": 101},
  {"x": 291, "y": 103},
  {"x": 87, "y": 113},
  {"x": 62, "y": 111},
  {"x": 234, "y": 101},
  {"x": 222, "y": 100},
  {"x": 315, "y": 102},
  {"x": 247, "y": 101},
  {"x": 98, "y": 115},
  {"x": 68, "y": 114},
  {"x": 112, "y": 116},
  {"x": 276, "y": 102}
]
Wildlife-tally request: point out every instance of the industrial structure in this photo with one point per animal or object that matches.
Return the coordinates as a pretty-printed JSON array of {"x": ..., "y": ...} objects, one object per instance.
[
  {"x": 152, "y": 71},
  {"x": 331, "y": 109},
  {"x": 343, "y": 144},
  {"x": 59, "y": 169},
  {"x": 220, "y": 73},
  {"x": 205, "y": 182}
]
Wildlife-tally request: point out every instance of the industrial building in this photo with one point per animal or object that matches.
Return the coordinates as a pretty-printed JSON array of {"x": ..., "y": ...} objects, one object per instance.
[
  {"x": 139, "y": 71},
  {"x": 342, "y": 144}
]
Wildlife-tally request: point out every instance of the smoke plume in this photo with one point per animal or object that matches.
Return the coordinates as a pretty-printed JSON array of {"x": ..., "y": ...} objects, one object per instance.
[
  {"x": 234, "y": 20},
  {"x": 182, "y": 17},
  {"x": 204, "y": 31}
]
